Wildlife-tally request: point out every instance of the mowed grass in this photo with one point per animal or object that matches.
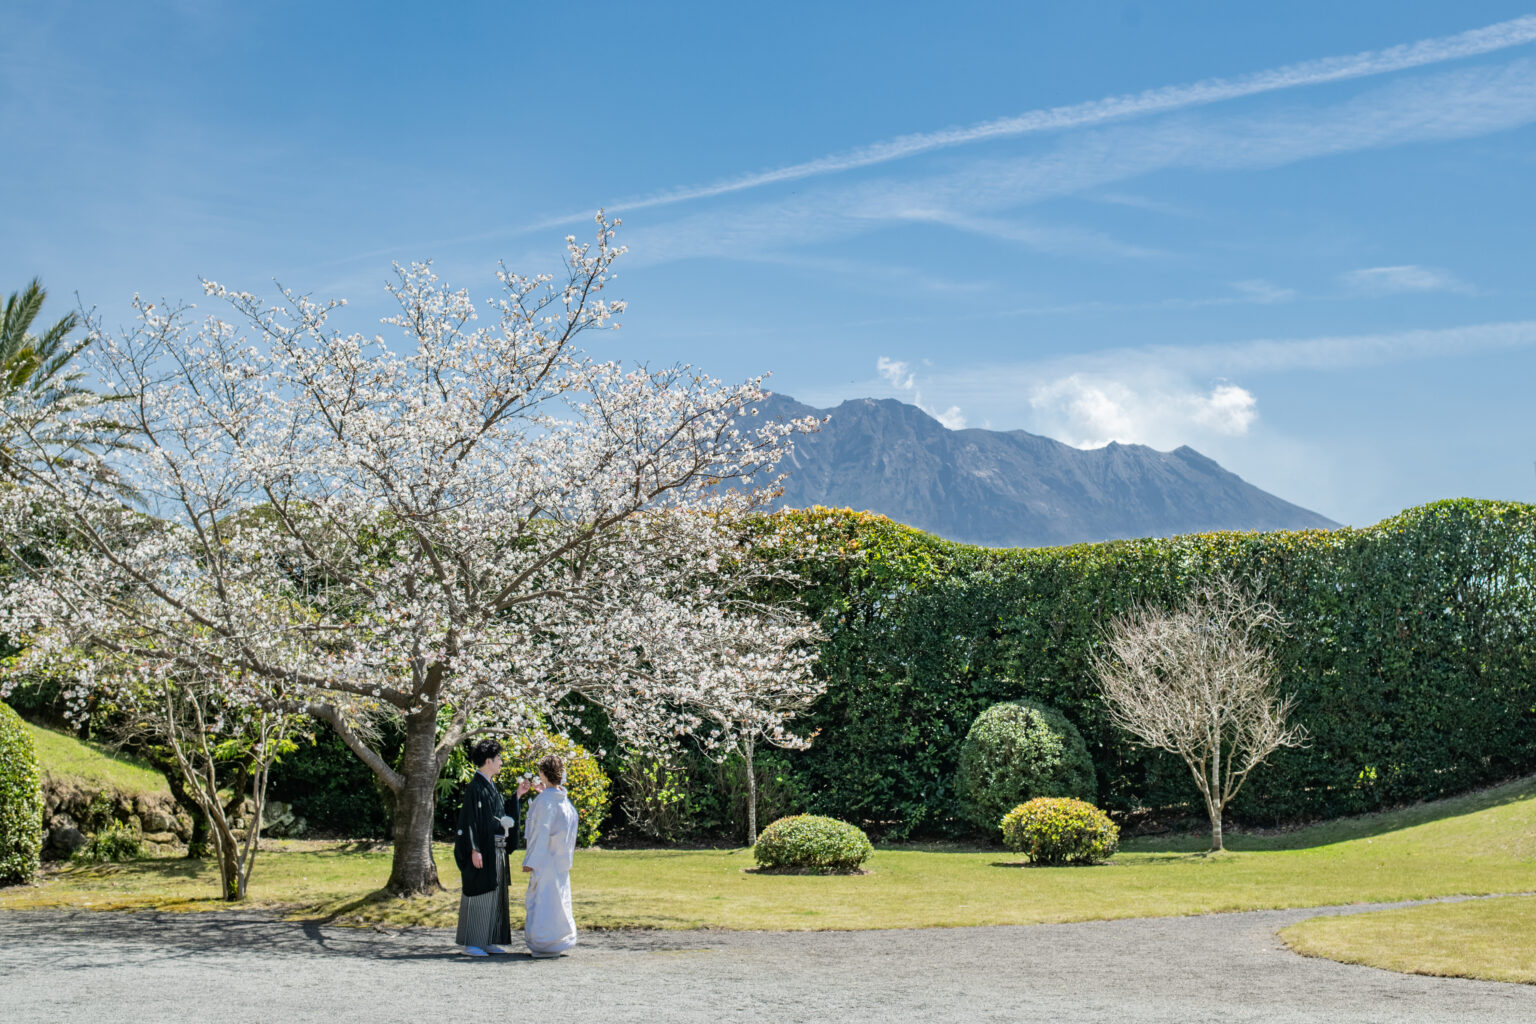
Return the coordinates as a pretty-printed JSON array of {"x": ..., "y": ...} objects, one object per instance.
[
  {"x": 1492, "y": 939},
  {"x": 63, "y": 756},
  {"x": 1472, "y": 845}
]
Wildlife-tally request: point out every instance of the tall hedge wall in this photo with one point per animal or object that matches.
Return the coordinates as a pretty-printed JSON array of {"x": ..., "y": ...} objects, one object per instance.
[{"x": 1412, "y": 654}]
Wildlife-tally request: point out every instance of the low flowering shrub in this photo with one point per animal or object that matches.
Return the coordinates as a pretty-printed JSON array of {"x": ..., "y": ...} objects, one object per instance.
[
  {"x": 812, "y": 844},
  {"x": 116, "y": 842},
  {"x": 1060, "y": 830}
]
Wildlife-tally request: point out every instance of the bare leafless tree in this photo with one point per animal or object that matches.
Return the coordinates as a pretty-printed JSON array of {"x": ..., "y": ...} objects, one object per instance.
[{"x": 1200, "y": 682}]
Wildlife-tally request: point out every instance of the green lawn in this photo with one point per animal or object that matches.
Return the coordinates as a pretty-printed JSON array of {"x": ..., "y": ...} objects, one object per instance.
[
  {"x": 63, "y": 756},
  {"x": 1493, "y": 939},
  {"x": 1477, "y": 844}
]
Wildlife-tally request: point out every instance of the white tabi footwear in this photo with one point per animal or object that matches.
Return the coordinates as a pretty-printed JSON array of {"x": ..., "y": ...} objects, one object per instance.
[{"x": 475, "y": 951}]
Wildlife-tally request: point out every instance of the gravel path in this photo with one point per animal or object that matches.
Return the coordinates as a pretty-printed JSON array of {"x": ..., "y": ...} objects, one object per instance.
[{"x": 246, "y": 967}]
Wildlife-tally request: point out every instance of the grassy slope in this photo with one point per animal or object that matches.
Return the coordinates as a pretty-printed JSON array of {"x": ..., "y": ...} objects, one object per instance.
[
  {"x": 1492, "y": 939},
  {"x": 65, "y": 757},
  {"x": 1477, "y": 844}
]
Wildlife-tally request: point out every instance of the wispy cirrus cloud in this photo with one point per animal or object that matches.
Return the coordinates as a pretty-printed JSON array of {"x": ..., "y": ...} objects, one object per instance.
[
  {"x": 1443, "y": 106},
  {"x": 1407, "y": 278},
  {"x": 1044, "y": 238},
  {"x": 1475, "y": 42}
]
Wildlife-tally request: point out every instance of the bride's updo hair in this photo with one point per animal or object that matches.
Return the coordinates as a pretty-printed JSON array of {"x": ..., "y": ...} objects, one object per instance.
[{"x": 553, "y": 769}]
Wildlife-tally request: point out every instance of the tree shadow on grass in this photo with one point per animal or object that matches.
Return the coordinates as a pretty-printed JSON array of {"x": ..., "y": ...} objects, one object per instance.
[{"x": 1362, "y": 826}]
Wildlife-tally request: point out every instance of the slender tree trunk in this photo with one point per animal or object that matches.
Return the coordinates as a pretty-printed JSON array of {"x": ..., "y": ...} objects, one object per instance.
[
  {"x": 1212, "y": 809},
  {"x": 230, "y": 877},
  {"x": 751, "y": 795},
  {"x": 414, "y": 872},
  {"x": 1213, "y": 804}
]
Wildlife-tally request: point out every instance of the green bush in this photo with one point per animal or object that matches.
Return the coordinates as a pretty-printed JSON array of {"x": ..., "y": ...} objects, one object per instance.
[
  {"x": 1060, "y": 830},
  {"x": 330, "y": 788},
  {"x": 813, "y": 844},
  {"x": 1015, "y": 751},
  {"x": 116, "y": 842},
  {"x": 21, "y": 801},
  {"x": 586, "y": 784}
]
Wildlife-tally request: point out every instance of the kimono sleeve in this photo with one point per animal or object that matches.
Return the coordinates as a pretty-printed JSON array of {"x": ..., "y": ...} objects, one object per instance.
[{"x": 536, "y": 829}]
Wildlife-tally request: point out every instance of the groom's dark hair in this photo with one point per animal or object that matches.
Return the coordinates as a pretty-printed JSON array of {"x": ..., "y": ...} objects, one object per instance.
[{"x": 483, "y": 751}]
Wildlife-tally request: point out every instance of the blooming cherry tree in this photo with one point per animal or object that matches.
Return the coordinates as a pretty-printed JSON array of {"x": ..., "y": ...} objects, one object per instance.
[{"x": 462, "y": 532}]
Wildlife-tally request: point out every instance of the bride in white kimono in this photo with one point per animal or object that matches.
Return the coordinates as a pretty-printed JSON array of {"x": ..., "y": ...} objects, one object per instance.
[{"x": 548, "y": 926}]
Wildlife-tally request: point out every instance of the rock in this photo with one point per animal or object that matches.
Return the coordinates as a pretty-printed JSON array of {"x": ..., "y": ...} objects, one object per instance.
[
  {"x": 157, "y": 820},
  {"x": 67, "y": 839},
  {"x": 160, "y": 838},
  {"x": 57, "y": 822}
]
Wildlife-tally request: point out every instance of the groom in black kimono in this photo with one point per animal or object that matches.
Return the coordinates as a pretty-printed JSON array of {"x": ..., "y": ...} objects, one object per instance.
[{"x": 485, "y": 831}]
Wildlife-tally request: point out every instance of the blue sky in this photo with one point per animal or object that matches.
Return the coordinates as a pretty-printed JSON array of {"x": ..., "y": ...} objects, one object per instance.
[{"x": 1297, "y": 237}]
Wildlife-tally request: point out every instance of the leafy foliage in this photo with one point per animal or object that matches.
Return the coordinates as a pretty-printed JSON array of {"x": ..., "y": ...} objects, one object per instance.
[
  {"x": 21, "y": 801},
  {"x": 1060, "y": 830},
  {"x": 115, "y": 842},
  {"x": 586, "y": 784},
  {"x": 330, "y": 788},
  {"x": 1412, "y": 656},
  {"x": 1017, "y": 750},
  {"x": 812, "y": 844}
]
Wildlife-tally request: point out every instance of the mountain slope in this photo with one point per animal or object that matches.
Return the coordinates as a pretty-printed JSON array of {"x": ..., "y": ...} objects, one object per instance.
[{"x": 1014, "y": 489}]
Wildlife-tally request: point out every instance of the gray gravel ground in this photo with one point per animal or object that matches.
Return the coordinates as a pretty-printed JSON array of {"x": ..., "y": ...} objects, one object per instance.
[{"x": 244, "y": 967}]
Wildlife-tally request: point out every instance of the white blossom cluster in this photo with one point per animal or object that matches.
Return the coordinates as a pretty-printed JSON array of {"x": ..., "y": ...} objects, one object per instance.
[{"x": 470, "y": 527}]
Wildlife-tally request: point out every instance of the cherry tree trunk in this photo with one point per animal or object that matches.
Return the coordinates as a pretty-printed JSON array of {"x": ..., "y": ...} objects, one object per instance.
[
  {"x": 414, "y": 872},
  {"x": 751, "y": 796}
]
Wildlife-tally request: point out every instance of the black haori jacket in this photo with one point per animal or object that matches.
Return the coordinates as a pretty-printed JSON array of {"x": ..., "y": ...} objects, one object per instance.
[{"x": 477, "y": 829}]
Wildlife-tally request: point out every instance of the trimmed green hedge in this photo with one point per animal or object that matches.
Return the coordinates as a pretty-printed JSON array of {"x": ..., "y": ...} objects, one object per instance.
[
  {"x": 21, "y": 801},
  {"x": 1412, "y": 654}
]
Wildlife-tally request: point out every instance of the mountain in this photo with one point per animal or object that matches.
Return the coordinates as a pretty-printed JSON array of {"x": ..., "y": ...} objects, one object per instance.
[{"x": 1012, "y": 488}]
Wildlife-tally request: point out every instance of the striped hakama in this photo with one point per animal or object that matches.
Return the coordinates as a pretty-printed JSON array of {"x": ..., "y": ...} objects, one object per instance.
[{"x": 483, "y": 919}]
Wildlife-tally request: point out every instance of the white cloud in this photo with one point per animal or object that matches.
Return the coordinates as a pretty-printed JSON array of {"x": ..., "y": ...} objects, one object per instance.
[
  {"x": 1262, "y": 292},
  {"x": 1406, "y": 278},
  {"x": 950, "y": 417},
  {"x": 897, "y": 373},
  {"x": 1162, "y": 395},
  {"x": 996, "y": 385},
  {"x": 900, "y": 376},
  {"x": 1091, "y": 410}
]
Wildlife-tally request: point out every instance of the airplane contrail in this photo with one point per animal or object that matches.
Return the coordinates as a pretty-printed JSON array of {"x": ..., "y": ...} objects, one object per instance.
[{"x": 1471, "y": 43}]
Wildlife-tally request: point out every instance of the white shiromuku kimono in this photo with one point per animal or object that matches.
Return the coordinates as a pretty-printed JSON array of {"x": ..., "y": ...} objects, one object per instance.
[{"x": 549, "y": 928}]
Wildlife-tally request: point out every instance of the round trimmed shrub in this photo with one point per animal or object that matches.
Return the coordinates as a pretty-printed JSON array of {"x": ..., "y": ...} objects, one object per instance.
[
  {"x": 21, "y": 801},
  {"x": 1018, "y": 750},
  {"x": 1060, "y": 830},
  {"x": 812, "y": 844},
  {"x": 586, "y": 784}
]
